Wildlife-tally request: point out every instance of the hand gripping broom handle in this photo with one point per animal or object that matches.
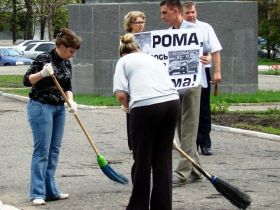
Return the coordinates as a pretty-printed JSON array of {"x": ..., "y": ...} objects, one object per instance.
[
  {"x": 206, "y": 174},
  {"x": 76, "y": 116}
]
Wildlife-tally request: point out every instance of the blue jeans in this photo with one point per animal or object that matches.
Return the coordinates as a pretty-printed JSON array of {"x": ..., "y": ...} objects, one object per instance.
[{"x": 47, "y": 124}]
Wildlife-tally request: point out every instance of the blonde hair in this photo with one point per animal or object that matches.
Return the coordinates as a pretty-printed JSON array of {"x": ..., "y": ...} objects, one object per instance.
[
  {"x": 128, "y": 44},
  {"x": 68, "y": 38},
  {"x": 131, "y": 17}
]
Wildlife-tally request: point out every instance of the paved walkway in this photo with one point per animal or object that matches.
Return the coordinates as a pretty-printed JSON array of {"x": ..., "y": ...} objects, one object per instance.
[
  {"x": 13, "y": 70},
  {"x": 250, "y": 163}
]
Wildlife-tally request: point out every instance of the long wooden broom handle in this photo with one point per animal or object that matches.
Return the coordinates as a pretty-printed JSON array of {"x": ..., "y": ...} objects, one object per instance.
[
  {"x": 76, "y": 116},
  {"x": 205, "y": 173}
]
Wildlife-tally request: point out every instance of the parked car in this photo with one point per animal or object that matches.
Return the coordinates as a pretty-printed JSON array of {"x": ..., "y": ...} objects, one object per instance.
[
  {"x": 11, "y": 57},
  {"x": 23, "y": 44},
  {"x": 35, "y": 49},
  {"x": 178, "y": 68}
]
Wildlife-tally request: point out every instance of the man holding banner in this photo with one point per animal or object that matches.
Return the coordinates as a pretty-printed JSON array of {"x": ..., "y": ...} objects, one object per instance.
[{"x": 187, "y": 124}]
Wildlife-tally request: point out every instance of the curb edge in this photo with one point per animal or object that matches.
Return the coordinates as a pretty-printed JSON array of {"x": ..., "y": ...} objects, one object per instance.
[{"x": 217, "y": 128}]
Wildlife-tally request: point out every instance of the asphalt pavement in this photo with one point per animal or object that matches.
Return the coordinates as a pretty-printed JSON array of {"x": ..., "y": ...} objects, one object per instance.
[{"x": 247, "y": 161}]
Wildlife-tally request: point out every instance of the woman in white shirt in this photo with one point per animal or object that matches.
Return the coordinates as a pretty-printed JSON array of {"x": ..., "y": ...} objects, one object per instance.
[
  {"x": 134, "y": 22},
  {"x": 153, "y": 105}
]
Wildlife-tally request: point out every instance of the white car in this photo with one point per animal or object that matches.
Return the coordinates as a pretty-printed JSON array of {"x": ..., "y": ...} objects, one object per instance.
[
  {"x": 35, "y": 49},
  {"x": 20, "y": 47}
]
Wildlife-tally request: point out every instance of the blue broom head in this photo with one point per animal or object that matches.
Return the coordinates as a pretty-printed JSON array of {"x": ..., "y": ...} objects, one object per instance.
[
  {"x": 233, "y": 194},
  {"x": 113, "y": 175},
  {"x": 109, "y": 171}
]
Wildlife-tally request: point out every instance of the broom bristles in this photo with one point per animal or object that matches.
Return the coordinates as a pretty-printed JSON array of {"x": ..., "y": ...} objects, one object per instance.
[
  {"x": 233, "y": 194},
  {"x": 109, "y": 171},
  {"x": 111, "y": 174}
]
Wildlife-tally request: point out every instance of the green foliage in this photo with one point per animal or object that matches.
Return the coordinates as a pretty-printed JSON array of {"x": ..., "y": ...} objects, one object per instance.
[
  {"x": 219, "y": 107},
  {"x": 60, "y": 19},
  {"x": 263, "y": 121},
  {"x": 269, "y": 24},
  {"x": 11, "y": 81},
  {"x": 259, "y": 128},
  {"x": 268, "y": 61},
  {"x": 258, "y": 97},
  {"x": 6, "y": 18},
  {"x": 90, "y": 99},
  {"x": 55, "y": 12},
  {"x": 219, "y": 103},
  {"x": 274, "y": 110},
  {"x": 96, "y": 100}
]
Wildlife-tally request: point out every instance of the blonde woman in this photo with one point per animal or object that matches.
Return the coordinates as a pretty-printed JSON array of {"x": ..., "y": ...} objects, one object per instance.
[
  {"x": 153, "y": 106},
  {"x": 134, "y": 22}
]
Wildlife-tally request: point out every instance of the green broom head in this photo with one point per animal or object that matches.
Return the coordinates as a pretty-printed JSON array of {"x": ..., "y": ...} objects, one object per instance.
[
  {"x": 233, "y": 194},
  {"x": 109, "y": 171}
]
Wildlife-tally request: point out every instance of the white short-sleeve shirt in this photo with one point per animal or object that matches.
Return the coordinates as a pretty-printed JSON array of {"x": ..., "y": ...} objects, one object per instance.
[{"x": 144, "y": 78}]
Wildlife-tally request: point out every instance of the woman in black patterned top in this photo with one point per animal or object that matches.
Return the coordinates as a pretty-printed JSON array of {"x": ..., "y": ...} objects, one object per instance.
[{"x": 46, "y": 114}]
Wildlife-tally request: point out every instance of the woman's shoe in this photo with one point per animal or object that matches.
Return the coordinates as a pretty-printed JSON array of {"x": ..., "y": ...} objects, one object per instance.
[
  {"x": 63, "y": 196},
  {"x": 38, "y": 202}
]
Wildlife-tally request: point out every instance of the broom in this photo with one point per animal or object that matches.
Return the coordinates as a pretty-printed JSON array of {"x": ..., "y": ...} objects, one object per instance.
[
  {"x": 233, "y": 194},
  {"x": 102, "y": 162}
]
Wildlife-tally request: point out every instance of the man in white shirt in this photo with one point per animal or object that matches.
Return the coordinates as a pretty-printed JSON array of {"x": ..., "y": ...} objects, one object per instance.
[
  {"x": 187, "y": 123},
  {"x": 214, "y": 47}
]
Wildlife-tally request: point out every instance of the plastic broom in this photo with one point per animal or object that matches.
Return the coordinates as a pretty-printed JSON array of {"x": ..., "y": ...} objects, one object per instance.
[
  {"x": 102, "y": 162},
  {"x": 233, "y": 194}
]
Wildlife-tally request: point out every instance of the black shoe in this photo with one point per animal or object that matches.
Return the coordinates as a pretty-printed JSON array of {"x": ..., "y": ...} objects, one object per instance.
[
  {"x": 177, "y": 182},
  {"x": 206, "y": 151}
]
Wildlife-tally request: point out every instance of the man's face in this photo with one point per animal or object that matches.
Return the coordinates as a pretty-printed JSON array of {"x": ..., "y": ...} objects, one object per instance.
[
  {"x": 190, "y": 14},
  {"x": 169, "y": 14}
]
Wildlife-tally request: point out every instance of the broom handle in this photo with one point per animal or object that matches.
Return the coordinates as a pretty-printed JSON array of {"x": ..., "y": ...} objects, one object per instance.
[
  {"x": 198, "y": 167},
  {"x": 76, "y": 116},
  {"x": 215, "y": 89}
]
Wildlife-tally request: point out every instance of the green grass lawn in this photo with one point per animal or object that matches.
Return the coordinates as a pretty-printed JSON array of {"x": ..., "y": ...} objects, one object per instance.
[
  {"x": 14, "y": 83},
  {"x": 263, "y": 121},
  {"x": 258, "y": 97},
  {"x": 11, "y": 81},
  {"x": 86, "y": 99},
  {"x": 266, "y": 61}
]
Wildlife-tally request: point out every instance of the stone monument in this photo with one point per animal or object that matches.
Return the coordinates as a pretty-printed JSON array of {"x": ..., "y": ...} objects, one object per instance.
[{"x": 100, "y": 23}]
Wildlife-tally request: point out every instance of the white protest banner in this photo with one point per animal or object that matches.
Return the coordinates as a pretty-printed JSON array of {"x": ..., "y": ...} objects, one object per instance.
[{"x": 179, "y": 50}]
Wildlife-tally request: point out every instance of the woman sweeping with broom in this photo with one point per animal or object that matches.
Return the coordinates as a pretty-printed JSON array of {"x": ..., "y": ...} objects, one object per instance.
[
  {"x": 46, "y": 114},
  {"x": 153, "y": 108}
]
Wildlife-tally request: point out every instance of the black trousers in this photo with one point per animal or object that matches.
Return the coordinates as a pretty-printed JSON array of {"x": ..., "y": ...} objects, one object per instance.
[
  {"x": 151, "y": 130},
  {"x": 204, "y": 126},
  {"x": 127, "y": 129}
]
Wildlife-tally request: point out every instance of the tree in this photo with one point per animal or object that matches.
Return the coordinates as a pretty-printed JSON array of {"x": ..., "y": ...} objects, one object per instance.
[
  {"x": 269, "y": 24},
  {"x": 28, "y": 32},
  {"x": 48, "y": 10},
  {"x": 5, "y": 7},
  {"x": 10, "y": 11},
  {"x": 14, "y": 21},
  {"x": 21, "y": 16}
]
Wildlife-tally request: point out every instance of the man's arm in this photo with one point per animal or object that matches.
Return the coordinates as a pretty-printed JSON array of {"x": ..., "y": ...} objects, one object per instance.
[{"x": 216, "y": 58}]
